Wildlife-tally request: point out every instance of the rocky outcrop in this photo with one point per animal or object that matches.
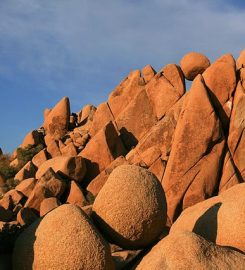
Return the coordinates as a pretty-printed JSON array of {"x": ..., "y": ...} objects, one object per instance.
[
  {"x": 131, "y": 207},
  {"x": 64, "y": 239}
]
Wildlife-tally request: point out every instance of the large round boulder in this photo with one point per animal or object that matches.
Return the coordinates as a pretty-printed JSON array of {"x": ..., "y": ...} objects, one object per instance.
[
  {"x": 194, "y": 63},
  {"x": 131, "y": 207},
  {"x": 64, "y": 239},
  {"x": 187, "y": 250},
  {"x": 74, "y": 168},
  {"x": 220, "y": 219}
]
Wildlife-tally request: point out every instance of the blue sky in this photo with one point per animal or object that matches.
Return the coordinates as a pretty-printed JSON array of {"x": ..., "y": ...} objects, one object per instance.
[{"x": 84, "y": 48}]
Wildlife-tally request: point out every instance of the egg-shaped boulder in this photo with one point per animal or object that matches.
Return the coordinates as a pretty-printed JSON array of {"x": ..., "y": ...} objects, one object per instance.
[
  {"x": 130, "y": 209},
  {"x": 194, "y": 63},
  {"x": 64, "y": 239}
]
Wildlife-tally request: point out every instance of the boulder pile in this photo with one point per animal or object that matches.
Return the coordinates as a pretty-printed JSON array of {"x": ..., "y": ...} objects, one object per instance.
[{"x": 153, "y": 178}]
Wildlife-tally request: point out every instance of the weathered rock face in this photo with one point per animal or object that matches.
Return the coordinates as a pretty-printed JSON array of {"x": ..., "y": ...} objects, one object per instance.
[
  {"x": 57, "y": 121},
  {"x": 193, "y": 168},
  {"x": 212, "y": 218},
  {"x": 220, "y": 79},
  {"x": 76, "y": 195},
  {"x": 69, "y": 167},
  {"x": 135, "y": 201},
  {"x": 32, "y": 138},
  {"x": 193, "y": 64},
  {"x": 189, "y": 251},
  {"x": 236, "y": 138},
  {"x": 48, "y": 185},
  {"x": 135, "y": 120},
  {"x": 110, "y": 147},
  {"x": 64, "y": 239}
]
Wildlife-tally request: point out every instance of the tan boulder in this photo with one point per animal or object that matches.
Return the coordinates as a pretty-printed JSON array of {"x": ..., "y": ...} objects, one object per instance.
[
  {"x": 193, "y": 167},
  {"x": 162, "y": 93},
  {"x": 158, "y": 168},
  {"x": 26, "y": 186},
  {"x": 220, "y": 80},
  {"x": 125, "y": 92},
  {"x": 187, "y": 250},
  {"x": 64, "y": 239},
  {"x": 32, "y": 138},
  {"x": 148, "y": 73},
  {"x": 230, "y": 176},
  {"x": 48, "y": 205},
  {"x": 240, "y": 63},
  {"x": 158, "y": 140},
  {"x": 194, "y": 63},
  {"x": 57, "y": 121},
  {"x": 175, "y": 76},
  {"x": 220, "y": 219},
  {"x": 236, "y": 138},
  {"x": 40, "y": 158},
  {"x": 70, "y": 167},
  {"x": 48, "y": 185},
  {"x": 27, "y": 171},
  {"x": 69, "y": 150},
  {"x": 136, "y": 119},
  {"x": 136, "y": 204},
  {"x": 26, "y": 216},
  {"x": 86, "y": 114},
  {"x": 76, "y": 195},
  {"x": 101, "y": 117},
  {"x": 101, "y": 150},
  {"x": 15, "y": 195},
  {"x": 98, "y": 182},
  {"x": 52, "y": 147}
]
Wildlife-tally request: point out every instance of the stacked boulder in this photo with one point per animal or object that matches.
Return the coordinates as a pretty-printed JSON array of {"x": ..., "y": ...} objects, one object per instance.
[{"x": 152, "y": 170}]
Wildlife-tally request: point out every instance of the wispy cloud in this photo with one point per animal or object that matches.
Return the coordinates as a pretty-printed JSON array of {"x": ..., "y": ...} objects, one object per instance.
[{"x": 83, "y": 48}]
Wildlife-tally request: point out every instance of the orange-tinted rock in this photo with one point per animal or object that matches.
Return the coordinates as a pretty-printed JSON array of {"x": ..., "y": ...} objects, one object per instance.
[
  {"x": 6, "y": 202},
  {"x": 162, "y": 94},
  {"x": 136, "y": 119},
  {"x": 220, "y": 79},
  {"x": 193, "y": 64},
  {"x": 52, "y": 147},
  {"x": 219, "y": 219},
  {"x": 57, "y": 121},
  {"x": 26, "y": 216},
  {"x": 76, "y": 195},
  {"x": 32, "y": 138},
  {"x": 175, "y": 76},
  {"x": 86, "y": 114},
  {"x": 49, "y": 185},
  {"x": 193, "y": 167},
  {"x": 98, "y": 182},
  {"x": 158, "y": 168},
  {"x": 131, "y": 207},
  {"x": 240, "y": 63},
  {"x": 125, "y": 92},
  {"x": 26, "y": 186},
  {"x": 158, "y": 140},
  {"x": 101, "y": 117},
  {"x": 40, "y": 158},
  {"x": 69, "y": 167},
  {"x": 230, "y": 175},
  {"x": 236, "y": 138},
  {"x": 16, "y": 196},
  {"x": 65, "y": 238},
  {"x": 69, "y": 150},
  {"x": 27, "y": 171},
  {"x": 187, "y": 250},
  {"x": 48, "y": 205},
  {"x": 148, "y": 73},
  {"x": 101, "y": 150}
]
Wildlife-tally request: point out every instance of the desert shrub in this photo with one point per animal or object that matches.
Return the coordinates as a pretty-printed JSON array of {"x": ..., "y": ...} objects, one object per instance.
[
  {"x": 6, "y": 170},
  {"x": 26, "y": 154}
]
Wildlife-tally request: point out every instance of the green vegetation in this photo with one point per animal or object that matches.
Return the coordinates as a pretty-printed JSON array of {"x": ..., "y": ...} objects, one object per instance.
[
  {"x": 26, "y": 154},
  {"x": 6, "y": 170}
]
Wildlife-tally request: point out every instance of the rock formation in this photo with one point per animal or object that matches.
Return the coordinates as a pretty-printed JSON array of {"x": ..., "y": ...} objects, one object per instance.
[{"x": 151, "y": 179}]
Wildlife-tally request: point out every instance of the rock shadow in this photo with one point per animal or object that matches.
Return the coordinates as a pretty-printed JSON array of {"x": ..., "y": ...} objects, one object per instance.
[
  {"x": 207, "y": 224},
  {"x": 128, "y": 139}
]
